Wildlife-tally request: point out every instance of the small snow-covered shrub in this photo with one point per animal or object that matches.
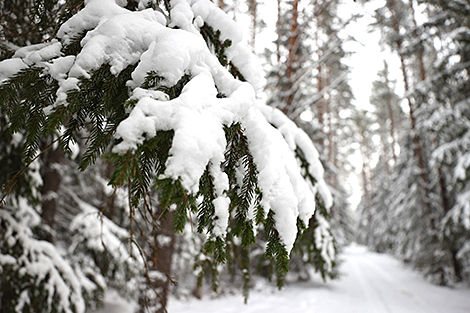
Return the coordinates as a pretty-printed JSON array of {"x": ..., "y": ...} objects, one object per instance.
[
  {"x": 35, "y": 277},
  {"x": 101, "y": 250}
]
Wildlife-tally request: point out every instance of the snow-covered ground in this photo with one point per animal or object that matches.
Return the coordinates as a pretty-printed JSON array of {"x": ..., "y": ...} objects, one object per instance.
[{"x": 370, "y": 283}]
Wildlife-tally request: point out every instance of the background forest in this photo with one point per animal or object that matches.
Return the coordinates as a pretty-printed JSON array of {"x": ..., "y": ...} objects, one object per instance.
[{"x": 216, "y": 188}]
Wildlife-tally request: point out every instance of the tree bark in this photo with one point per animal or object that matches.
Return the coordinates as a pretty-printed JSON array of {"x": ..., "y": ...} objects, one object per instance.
[
  {"x": 278, "y": 31},
  {"x": 253, "y": 9},
  {"x": 321, "y": 101},
  {"x": 291, "y": 58},
  {"x": 51, "y": 178},
  {"x": 390, "y": 113},
  {"x": 417, "y": 148},
  {"x": 419, "y": 56},
  {"x": 159, "y": 261}
]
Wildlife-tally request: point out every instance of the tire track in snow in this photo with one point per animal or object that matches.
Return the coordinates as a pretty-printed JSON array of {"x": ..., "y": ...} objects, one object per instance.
[
  {"x": 390, "y": 291},
  {"x": 395, "y": 283},
  {"x": 373, "y": 296}
]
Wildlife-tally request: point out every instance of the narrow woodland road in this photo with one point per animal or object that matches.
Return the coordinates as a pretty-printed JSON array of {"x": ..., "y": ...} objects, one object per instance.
[{"x": 370, "y": 283}]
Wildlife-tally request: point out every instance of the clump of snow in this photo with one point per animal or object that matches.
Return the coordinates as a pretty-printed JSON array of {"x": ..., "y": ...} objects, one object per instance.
[
  {"x": 248, "y": 65},
  {"x": 222, "y": 202},
  {"x": 196, "y": 116},
  {"x": 94, "y": 13},
  {"x": 175, "y": 52},
  {"x": 59, "y": 67},
  {"x": 10, "y": 67},
  {"x": 325, "y": 193},
  {"x": 181, "y": 15},
  {"x": 217, "y": 18},
  {"x": 276, "y": 167},
  {"x": 297, "y": 138},
  {"x": 238, "y": 52},
  {"x": 29, "y": 56},
  {"x": 119, "y": 41},
  {"x": 40, "y": 52}
]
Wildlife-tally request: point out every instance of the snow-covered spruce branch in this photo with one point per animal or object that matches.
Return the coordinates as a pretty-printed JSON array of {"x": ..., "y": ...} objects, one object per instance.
[{"x": 157, "y": 100}]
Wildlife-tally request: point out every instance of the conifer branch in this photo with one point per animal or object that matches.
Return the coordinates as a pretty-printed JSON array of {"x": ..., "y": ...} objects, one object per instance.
[
  {"x": 8, "y": 187},
  {"x": 206, "y": 209}
]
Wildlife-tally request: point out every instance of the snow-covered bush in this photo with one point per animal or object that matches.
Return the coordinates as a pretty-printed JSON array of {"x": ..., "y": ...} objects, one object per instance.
[
  {"x": 101, "y": 251},
  {"x": 35, "y": 275}
]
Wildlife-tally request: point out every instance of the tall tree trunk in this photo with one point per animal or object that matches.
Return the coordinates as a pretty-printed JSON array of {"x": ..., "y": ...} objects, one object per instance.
[
  {"x": 422, "y": 69},
  {"x": 365, "y": 178},
  {"x": 329, "y": 130},
  {"x": 417, "y": 147},
  {"x": 320, "y": 86},
  {"x": 390, "y": 113},
  {"x": 253, "y": 9},
  {"x": 159, "y": 261},
  {"x": 51, "y": 178},
  {"x": 278, "y": 31},
  {"x": 329, "y": 137},
  {"x": 386, "y": 159},
  {"x": 334, "y": 144},
  {"x": 291, "y": 58},
  {"x": 422, "y": 75}
]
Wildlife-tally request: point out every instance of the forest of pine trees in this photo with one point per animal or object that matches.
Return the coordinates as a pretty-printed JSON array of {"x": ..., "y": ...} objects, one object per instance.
[
  {"x": 146, "y": 148},
  {"x": 417, "y": 203}
]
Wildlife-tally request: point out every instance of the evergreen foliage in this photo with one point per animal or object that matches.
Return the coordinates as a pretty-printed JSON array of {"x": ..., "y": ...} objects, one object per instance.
[{"x": 78, "y": 89}]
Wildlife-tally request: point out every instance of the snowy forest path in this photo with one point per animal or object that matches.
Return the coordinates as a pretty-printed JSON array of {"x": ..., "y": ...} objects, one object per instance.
[
  {"x": 387, "y": 286},
  {"x": 369, "y": 283}
]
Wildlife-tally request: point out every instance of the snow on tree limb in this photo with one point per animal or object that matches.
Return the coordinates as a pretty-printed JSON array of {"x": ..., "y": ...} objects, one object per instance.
[{"x": 118, "y": 40}]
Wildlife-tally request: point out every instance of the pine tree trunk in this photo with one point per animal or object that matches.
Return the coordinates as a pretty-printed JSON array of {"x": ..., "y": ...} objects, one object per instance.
[
  {"x": 253, "y": 9},
  {"x": 422, "y": 70},
  {"x": 417, "y": 147},
  {"x": 329, "y": 134},
  {"x": 385, "y": 153},
  {"x": 160, "y": 259},
  {"x": 51, "y": 178},
  {"x": 291, "y": 58},
  {"x": 278, "y": 31},
  {"x": 390, "y": 114},
  {"x": 456, "y": 264},
  {"x": 365, "y": 179},
  {"x": 321, "y": 104},
  {"x": 334, "y": 146},
  {"x": 422, "y": 76},
  {"x": 320, "y": 108}
]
